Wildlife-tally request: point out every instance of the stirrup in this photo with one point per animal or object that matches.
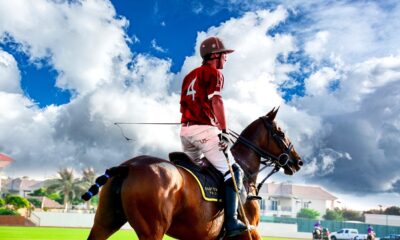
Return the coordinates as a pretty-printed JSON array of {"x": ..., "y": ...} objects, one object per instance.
[{"x": 237, "y": 232}]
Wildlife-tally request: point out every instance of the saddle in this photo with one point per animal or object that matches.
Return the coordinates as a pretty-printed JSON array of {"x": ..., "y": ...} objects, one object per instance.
[{"x": 210, "y": 180}]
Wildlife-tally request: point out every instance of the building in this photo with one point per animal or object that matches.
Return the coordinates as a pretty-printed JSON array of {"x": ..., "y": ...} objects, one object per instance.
[
  {"x": 47, "y": 203},
  {"x": 4, "y": 161},
  {"x": 287, "y": 199},
  {"x": 23, "y": 186}
]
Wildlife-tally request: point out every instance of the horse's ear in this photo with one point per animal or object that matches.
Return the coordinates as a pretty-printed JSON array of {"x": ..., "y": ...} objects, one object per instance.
[{"x": 272, "y": 114}]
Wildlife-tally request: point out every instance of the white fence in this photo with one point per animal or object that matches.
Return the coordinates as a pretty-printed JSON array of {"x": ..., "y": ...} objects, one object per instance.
[
  {"x": 85, "y": 220},
  {"x": 58, "y": 219},
  {"x": 281, "y": 230}
]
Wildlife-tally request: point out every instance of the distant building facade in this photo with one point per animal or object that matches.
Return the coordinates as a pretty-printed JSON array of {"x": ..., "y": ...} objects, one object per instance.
[
  {"x": 23, "y": 186},
  {"x": 287, "y": 199},
  {"x": 4, "y": 161}
]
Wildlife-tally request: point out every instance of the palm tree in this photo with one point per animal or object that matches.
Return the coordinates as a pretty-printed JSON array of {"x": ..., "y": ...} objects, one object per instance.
[
  {"x": 88, "y": 178},
  {"x": 67, "y": 184}
]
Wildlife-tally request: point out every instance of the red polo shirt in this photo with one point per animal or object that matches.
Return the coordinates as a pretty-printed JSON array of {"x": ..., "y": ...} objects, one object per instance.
[{"x": 198, "y": 87}]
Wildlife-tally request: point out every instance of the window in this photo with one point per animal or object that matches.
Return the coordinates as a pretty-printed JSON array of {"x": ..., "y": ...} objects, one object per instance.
[
  {"x": 274, "y": 205},
  {"x": 262, "y": 204},
  {"x": 306, "y": 204}
]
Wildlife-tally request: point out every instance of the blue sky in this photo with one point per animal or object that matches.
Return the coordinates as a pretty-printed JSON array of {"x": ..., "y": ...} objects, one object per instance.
[{"x": 69, "y": 69}]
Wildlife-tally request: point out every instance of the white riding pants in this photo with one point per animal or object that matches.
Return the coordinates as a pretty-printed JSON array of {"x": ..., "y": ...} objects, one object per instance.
[{"x": 203, "y": 139}]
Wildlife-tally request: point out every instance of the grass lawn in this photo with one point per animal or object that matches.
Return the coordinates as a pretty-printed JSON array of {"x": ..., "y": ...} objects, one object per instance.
[{"x": 43, "y": 233}]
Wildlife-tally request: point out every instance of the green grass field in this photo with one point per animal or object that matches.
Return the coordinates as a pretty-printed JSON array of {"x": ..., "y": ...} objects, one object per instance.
[{"x": 43, "y": 233}]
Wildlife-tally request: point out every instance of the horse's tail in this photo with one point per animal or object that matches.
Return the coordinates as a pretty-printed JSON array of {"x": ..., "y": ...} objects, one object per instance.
[{"x": 120, "y": 171}]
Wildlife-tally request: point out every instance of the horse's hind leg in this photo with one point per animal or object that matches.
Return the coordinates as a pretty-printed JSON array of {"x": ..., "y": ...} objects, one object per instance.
[
  {"x": 109, "y": 216},
  {"x": 148, "y": 207},
  {"x": 147, "y": 225}
]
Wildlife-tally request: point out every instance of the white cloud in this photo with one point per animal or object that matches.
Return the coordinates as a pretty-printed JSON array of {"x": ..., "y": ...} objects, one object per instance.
[
  {"x": 197, "y": 7},
  {"x": 356, "y": 30},
  {"x": 361, "y": 118},
  {"x": 155, "y": 46},
  {"x": 9, "y": 73},
  {"x": 84, "y": 41},
  {"x": 316, "y": 47},
  {"x": 319, "y": 82}
]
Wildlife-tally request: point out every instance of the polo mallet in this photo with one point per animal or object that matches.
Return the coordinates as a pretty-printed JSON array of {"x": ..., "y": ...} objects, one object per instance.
[{"x": 237, "y": 193}]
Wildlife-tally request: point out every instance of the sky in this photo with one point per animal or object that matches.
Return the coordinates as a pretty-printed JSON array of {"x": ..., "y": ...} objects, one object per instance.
[{"x": 69, "y": 69}]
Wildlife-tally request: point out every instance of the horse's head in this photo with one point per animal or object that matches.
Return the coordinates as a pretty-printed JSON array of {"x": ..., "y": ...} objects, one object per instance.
[
  {"x": 264, "y": 139},
  {"x": 281, "y": 147}
]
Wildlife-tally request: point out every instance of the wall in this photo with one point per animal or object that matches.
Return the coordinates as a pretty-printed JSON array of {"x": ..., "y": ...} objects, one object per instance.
[
  {"x": 319, "y": 205},
  {"x": 307, "y": 225},
  {"x": 380, "y": 219},
  {"x": 281, "y": 230},
  {"x": 85, "y": 220},
  {"x": 58, "y": 219},
  {"x": 15, "y": 221}
]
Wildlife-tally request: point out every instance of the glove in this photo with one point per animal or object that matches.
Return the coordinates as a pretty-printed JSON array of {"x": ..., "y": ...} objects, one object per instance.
[{"x": 223, "y": 140}]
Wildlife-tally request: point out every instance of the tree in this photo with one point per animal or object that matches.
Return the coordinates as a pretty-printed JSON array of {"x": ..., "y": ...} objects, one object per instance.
[
  {"x": 352, "y": 215},
  {"x": 49, "y": 193},
  {"x": 56, "y": 197},
  {"x": 88, "y": 178},
  {"x": 6, "y": 211},
  {"x": 66, "y": 184},
  {"x": 2, "y": 202},
  {"x": 393, "y": 210},
  {"x": 308, "y": 213},
  {"x": 40, "y": 192},
  {"x": 17, "y": 202},
  {"x": 35, "y": 202},
  {"x": 334, "y": 215},
  {"x": 374, "y": 211}
]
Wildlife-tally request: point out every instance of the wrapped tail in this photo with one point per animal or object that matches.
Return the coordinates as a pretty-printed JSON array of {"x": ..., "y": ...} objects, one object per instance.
[{"x": 101, "y": 180}]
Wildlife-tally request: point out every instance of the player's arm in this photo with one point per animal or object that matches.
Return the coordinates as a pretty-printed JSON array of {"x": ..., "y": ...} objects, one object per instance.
[{"x": 219, "y": 111}]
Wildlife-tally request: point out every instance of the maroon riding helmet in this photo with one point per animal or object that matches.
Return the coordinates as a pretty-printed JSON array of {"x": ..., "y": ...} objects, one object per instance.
[{"x": 213, "y": 45}]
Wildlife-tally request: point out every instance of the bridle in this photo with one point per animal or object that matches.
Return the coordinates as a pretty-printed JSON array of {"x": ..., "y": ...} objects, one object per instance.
[{"x": 270, "y": 159}]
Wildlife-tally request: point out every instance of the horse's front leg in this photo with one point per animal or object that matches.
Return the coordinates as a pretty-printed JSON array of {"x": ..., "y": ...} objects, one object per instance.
[{"x": 252, "y": 211}]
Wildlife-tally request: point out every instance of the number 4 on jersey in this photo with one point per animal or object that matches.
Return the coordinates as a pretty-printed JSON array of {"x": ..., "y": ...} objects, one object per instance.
[{"x": 190, "y": 90}]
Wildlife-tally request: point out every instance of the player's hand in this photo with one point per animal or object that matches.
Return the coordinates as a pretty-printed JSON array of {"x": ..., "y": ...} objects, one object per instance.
[{"x": 223, "y": 140}]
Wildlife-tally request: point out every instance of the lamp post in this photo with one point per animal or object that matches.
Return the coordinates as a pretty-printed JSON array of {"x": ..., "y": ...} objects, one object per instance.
[
  {"x": 386, "y": 217},
  {"x": 380, "y": 208}
]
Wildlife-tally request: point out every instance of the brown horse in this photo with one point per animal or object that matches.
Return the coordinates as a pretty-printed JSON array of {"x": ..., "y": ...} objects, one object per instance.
[
  {"x": 157, "y": 198},
  {"x": 371, "y": 236},
  {"x": 317, "y": 234}
]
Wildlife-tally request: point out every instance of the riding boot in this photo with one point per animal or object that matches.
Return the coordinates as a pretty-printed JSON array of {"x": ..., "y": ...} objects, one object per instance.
[{"x": 233, "y": 226}]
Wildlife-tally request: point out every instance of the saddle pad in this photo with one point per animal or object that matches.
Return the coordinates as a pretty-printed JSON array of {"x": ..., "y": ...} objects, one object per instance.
[{"x": 210, "y": 180}]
